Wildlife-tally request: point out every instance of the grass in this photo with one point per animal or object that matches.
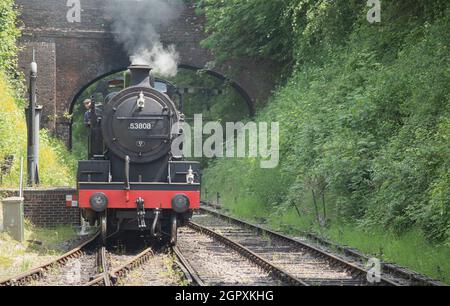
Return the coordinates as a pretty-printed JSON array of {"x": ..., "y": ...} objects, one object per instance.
[
  {"x": 248, "y": 209},
  {"x": 174, "y": 273},
  {"x": 410, "y": 250},
  {"x": 18, "y": 257}
]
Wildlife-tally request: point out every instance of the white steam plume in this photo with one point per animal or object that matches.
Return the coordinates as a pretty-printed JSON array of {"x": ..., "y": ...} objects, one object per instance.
[{"x": 136, "y": 24}]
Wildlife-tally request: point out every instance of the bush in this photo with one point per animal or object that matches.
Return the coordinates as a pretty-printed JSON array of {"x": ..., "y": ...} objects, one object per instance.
[{"x": 363, "y": 118}]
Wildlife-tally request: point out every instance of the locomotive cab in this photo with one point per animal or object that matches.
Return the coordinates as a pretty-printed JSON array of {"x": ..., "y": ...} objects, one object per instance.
[{"x": 131, "y": 180}]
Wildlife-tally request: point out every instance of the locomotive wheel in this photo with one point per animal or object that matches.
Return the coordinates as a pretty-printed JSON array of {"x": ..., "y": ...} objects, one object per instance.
[
  {"x": 173, "y": 229},
  {"x": 103, "y": 227}
]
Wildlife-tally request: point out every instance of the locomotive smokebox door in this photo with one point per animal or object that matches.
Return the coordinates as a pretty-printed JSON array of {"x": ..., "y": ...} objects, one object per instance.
[{"x": 138, "y": 121}]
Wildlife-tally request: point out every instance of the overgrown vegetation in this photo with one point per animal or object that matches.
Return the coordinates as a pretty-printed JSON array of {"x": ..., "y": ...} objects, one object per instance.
[
  {"x": 364, "y": 117},
  {"x": 56, "y": 164},
  {"x": 41, "y": 245}
]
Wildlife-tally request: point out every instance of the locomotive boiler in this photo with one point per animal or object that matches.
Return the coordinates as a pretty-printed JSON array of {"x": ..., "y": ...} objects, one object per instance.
[{"x": 132, "y": 180}]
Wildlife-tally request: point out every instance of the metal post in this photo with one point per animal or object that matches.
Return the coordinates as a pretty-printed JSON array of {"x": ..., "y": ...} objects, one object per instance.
[
  {"x": 37, "y": 128},
  {"x": 95, "y": 138},
  {"x": 21, "y": 179},
  {"x": 33, "y": 117}
]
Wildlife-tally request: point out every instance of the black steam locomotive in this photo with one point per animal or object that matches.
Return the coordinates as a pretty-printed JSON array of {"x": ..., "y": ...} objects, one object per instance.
[{"x": 132, "y": 180}]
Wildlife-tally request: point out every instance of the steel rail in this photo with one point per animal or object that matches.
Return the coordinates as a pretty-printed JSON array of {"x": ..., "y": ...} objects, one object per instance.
[
  {"x": 122, "y": 270},
  {"x": 38, "y": 272},
  {"x": 356, "y": 270},
  {"x": 103, "y": 265},
  {"x": 275, "y": 271},
  {"x": 189, "y": 272}
]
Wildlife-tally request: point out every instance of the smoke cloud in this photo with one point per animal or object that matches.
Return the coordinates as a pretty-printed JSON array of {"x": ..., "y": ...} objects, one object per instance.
[{"x": 136, "y": 24}]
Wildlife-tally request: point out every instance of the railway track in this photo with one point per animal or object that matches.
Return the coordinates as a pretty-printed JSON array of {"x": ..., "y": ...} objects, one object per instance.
[
  {"x": 212, "y": 263},
  {"x": 90, "y": 264},
  {"x": 305, "y": 262},
  {"x": 283, "y": 264},
  {"x": 214, "y": 249},
  {"x": 148, "y": 268},
  {"x": 291, "y": 254},
  {"x": 110, "y": 275},
  {"x": 38, "y": 274}
]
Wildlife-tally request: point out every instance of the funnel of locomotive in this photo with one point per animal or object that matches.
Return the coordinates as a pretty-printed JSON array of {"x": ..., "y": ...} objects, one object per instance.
[
  {"x": 137, "y": 184},
  {"x": 141, "y": 75}
]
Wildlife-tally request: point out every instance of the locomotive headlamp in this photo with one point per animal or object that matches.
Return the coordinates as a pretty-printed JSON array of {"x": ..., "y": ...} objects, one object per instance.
[
  {"x": 141, "y": 101},
  {"x": 190, "y": 177},
  {"x": 98, "y": 202},
  {"x": 180, "y": 203}
]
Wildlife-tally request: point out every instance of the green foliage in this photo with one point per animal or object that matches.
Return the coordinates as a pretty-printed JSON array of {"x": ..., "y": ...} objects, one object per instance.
[
  {"x": 296, "y": 30},
  {"x": 364, "y": 119},
  {"x": 8, "y": 36},
  {"x": 239, "y": 28},
  {"x": 56, "y": 165}
]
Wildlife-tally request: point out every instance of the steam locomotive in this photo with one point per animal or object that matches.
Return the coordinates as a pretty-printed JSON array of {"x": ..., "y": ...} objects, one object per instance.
[{"x": 132, "y": 180}]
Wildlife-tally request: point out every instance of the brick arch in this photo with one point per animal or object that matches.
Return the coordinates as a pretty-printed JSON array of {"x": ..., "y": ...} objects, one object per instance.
[{"x": 69, "y": 54}]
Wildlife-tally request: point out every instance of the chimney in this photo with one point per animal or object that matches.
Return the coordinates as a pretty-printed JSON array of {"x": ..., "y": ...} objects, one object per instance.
[{"x": 141, "y": 76}]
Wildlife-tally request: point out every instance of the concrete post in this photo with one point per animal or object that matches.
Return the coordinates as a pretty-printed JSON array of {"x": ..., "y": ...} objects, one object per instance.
[{"x": 13, "y": 222}]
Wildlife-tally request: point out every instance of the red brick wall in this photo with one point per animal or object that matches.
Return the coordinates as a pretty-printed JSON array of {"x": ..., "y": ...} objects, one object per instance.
[{"x": 47, "y": 207}]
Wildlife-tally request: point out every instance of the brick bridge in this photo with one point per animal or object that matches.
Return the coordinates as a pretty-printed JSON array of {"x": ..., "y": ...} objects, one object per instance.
[{"x": 72, "y": 52}]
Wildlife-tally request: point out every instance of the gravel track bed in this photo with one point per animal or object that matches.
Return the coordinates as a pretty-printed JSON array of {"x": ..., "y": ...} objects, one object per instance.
[
  {"x": 76, "y": 272},
  {"x": 158, "y": 271},
  {"x": 218, "y": 265}
]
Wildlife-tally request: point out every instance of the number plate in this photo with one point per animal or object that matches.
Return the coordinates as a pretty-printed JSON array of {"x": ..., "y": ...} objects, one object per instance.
[{"x": 136, "y": 126}]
